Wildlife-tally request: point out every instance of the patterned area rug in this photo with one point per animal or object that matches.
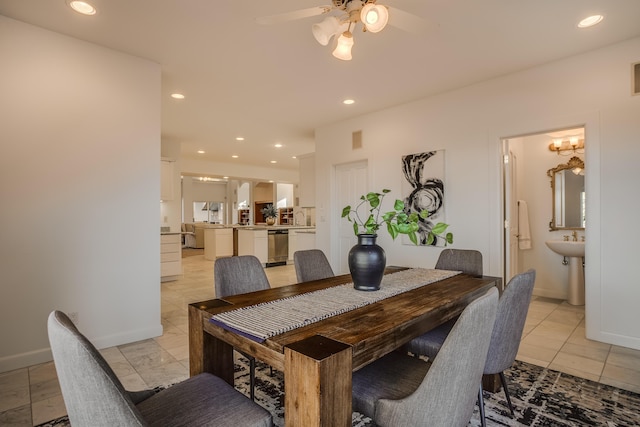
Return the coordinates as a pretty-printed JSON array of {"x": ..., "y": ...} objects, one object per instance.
[{"x": 542, "y": 398}]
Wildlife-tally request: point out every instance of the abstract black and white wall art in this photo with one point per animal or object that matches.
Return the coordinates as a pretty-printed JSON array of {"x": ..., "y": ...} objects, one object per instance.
[{"x": 423, "y": 188}]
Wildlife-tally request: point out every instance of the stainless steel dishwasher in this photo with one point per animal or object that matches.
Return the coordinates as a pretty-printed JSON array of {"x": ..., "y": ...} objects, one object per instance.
[{"x": 278, "y": 245}]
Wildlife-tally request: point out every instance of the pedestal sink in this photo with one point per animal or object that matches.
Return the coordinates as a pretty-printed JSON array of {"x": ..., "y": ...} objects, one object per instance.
[{"x": 574, "y": 251}]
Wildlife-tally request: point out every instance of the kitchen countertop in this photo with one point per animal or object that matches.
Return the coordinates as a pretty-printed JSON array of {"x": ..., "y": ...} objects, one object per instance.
[
  {"x": 311, "y": 228},
  {"x": 274, "y": 227}
]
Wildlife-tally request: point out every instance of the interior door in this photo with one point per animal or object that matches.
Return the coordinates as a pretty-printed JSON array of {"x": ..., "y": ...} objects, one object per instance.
[{"x": 351, "y": 183}]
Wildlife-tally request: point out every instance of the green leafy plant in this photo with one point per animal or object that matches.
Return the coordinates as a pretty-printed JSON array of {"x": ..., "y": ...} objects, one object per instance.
[
  {"x": 269, "y": 211},
  {"x": 397, "y": 220}
]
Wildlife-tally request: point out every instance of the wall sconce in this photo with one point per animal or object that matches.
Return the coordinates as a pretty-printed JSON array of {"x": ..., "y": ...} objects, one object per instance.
[{"x": 572, "y": 145}]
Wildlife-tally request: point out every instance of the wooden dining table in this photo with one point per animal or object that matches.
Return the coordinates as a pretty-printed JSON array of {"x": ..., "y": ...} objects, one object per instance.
[{"x": 318, "y": 359}]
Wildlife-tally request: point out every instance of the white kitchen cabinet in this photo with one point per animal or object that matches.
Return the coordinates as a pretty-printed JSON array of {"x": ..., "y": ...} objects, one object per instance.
[
  {"x": 218, "y": 242},
  {"x": 253, "y": 242},
  {"x": 293, "y": 243},
  {"x": 166, "y": 180},
  {"x": 170, "y": 257},
  {"x": 306, "y": 239}
]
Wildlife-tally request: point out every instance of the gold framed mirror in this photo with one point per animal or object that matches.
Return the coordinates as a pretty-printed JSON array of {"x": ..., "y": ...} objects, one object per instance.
[{"x": 567, "y": 195}]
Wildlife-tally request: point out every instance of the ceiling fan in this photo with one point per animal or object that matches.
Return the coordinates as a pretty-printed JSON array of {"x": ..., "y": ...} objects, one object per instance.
[{"x": 345, "y": 15}]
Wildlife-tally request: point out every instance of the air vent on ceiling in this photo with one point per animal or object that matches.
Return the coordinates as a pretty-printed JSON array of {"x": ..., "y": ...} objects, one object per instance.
[
  {"x": 356, "y": 139},
  {"x": 635, "y": 78}
]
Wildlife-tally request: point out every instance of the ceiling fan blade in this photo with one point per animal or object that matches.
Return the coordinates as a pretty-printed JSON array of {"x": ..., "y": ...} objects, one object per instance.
[
  {"x": 296, "y": 14},
  {"x": 409, "y": 22}
]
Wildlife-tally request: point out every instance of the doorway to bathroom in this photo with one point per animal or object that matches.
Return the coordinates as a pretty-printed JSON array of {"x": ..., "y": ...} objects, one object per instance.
[{"x": 539, "y": 205}]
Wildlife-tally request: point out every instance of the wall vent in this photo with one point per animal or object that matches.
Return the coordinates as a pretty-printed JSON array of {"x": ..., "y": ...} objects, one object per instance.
[
  {"x": 356, "y": 140},
  {"x": 635, "y": 78}
]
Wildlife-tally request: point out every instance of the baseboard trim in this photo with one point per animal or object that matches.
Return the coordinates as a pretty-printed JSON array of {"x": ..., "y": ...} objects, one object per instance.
[
  {"x": 23, "y": 360},
  {"x": 127, "y": 337},
  {"x": 549, "y": 293},
  {"x": 36, "y": 357}
]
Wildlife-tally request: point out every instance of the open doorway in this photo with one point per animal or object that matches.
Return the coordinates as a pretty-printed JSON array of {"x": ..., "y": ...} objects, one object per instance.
[{"x": 540, "y": 205}]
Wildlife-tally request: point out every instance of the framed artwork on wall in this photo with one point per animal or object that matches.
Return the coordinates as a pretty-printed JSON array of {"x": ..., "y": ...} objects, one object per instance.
[{"x": 423, "y": 188}]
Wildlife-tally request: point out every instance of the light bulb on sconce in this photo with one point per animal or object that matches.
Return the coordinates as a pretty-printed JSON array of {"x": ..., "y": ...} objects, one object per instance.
[{"x": 566, "y": 147}]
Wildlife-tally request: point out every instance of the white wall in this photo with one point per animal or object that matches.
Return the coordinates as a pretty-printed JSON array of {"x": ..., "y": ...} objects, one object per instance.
[
  {"x": 284, "y": 195},
  {"x": 244, "y": 193},
  {"x": 79, "y": 190},
  {"x": 591, "y": 89}
]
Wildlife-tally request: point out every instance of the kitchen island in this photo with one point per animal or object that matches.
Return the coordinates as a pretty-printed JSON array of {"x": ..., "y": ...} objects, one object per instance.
[
  {"x": 218, "y": 242},
  {"x": 228, "y": 240},
  {"x": 272, "y": 245}
]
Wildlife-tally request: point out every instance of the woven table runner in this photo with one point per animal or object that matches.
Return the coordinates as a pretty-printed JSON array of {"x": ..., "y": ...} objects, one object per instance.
[{"x": 261, "y": 321}]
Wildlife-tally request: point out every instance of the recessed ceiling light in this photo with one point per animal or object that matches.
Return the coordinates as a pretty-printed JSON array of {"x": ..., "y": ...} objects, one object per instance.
[
  {"x": 590, "y": 21},
  {"x": 200, "y": 151},
  {"x": 82, "y": 7},
  {"x": 225, "y": 177},
  {"x": 239, "y": 138},
  {"x": 278, "y": 145},
  {"x": 274, "y": 161},
  {"x": 348, "y": 101},
  {"x": 235, "y": 156},
  {"x": 294, "y": 157},
  {"x": 177, "y": 96}
]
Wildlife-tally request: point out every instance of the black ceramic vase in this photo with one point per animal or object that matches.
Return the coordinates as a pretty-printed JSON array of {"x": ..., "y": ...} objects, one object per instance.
[{"x": 366, "y": 263}]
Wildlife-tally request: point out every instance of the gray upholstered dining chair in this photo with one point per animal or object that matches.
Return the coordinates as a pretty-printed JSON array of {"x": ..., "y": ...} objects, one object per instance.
[
  {"x": 399, "y": 390},
  {"x": 505, "y": 337},
  {"x": 466, "y": 260},
  {"x": 240, "y": 275},
  {"x": 94, "y": 396},
  {"x": 311, "y": 264}
]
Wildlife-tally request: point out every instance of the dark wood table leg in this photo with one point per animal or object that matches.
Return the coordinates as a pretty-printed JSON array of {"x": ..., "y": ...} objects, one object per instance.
[
  {"x": 491, "y": 382},
  {"x": 317, "y": 383},
  {"x": 196, "y": 338},
  {"x": 207, "y": 353}
]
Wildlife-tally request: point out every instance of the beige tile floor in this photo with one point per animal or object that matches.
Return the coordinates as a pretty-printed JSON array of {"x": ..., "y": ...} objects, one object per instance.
[{"x": 554, "y": 337}]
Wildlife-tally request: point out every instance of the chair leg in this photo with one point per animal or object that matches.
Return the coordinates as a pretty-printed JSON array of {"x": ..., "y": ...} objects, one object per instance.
[
  {"x": 252, "y": 378},
  {"x": 483, "y": 422},
  {"x": 506, "y": 393}
]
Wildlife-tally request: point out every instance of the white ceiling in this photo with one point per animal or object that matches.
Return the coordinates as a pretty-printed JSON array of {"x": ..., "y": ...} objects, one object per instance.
[{"x": 277, "y": 84}]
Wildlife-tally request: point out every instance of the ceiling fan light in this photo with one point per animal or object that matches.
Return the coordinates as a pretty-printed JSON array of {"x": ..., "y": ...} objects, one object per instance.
[
  {"x": 343, "y": 49},
  {"x": 326, "y": 29},
  {"x": 374, "y": 17}
]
